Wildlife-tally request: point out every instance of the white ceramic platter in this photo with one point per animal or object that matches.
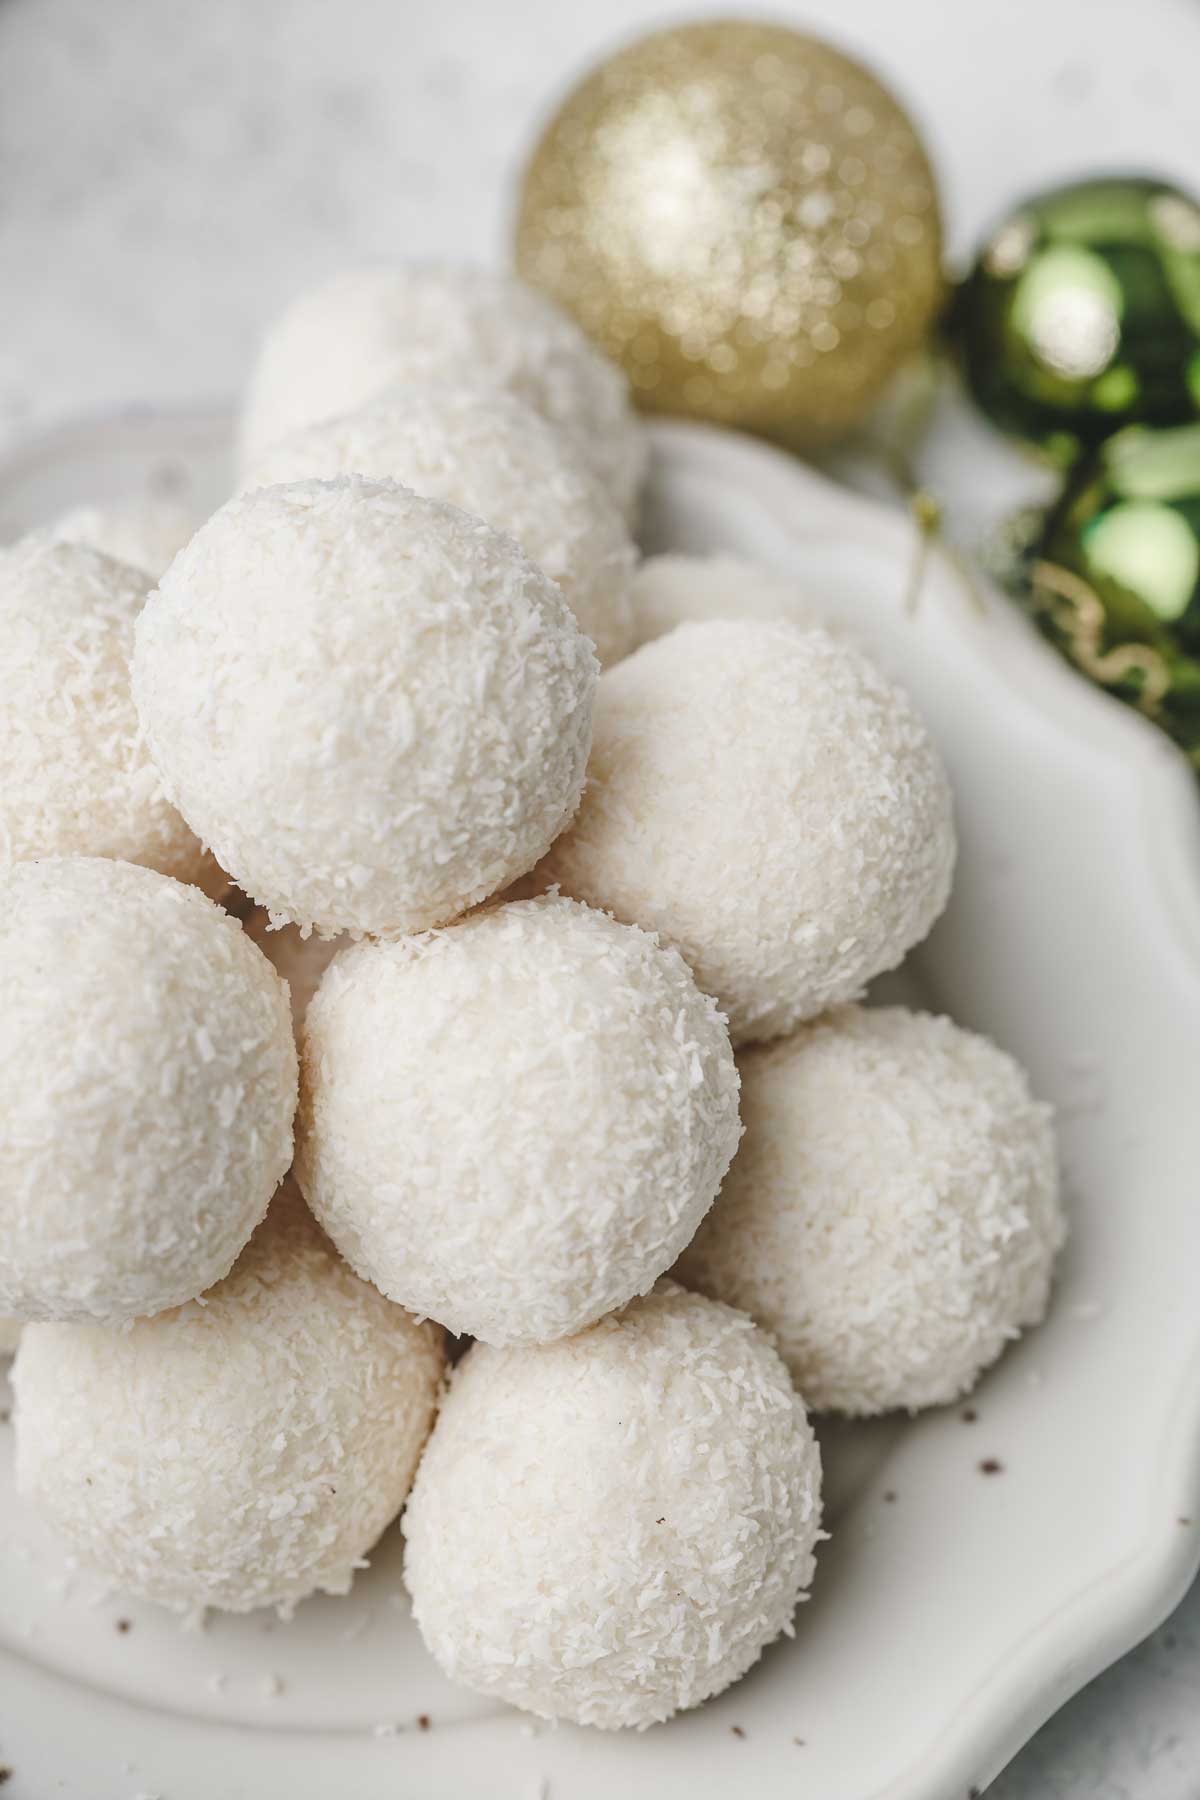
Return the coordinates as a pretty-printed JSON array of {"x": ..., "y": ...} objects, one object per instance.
[{"x": 953, "y": 1610}]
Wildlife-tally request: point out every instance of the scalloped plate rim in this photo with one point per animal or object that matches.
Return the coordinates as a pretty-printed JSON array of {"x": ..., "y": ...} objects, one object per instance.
[{"x": 1120, "y": 1603}]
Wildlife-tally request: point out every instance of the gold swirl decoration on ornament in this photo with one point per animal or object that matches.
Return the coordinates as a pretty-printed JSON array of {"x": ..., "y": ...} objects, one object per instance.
[
  {"x": 1075, "y": 610},
  {"x": 745, "y": 220}
]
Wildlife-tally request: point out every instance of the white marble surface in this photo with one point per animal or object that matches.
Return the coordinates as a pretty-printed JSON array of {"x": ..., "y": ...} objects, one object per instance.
[{"x": 171, "y": 170}]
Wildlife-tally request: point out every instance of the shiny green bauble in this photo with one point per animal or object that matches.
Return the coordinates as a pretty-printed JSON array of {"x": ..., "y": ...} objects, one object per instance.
[
  {"x": 1114, "y": 573},
  {"x": 1082, "y": 314}
]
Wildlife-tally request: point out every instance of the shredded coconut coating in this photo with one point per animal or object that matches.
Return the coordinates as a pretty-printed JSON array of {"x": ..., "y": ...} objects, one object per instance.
[
  {"x": 490, "y": 454},
  {"x": 75, "y": 773},
  {"x": 612, "y": 1528},
  {"x": 772, "y": 805},
  {"x": 300, "y": 960},
  {"x": 244, "y": 1450},
  {"x": 10, "y": 1335},
  {"x": 147, "y": 1090},
  {"x": 893, "y": 1215},
  {"x": 343, "y": 344},
  {"x": 148, "y": 532},
  {"x": 675, "y": 589},
  {"x": 515, "y": 1125},
  {"x": 374, "y": 707}
]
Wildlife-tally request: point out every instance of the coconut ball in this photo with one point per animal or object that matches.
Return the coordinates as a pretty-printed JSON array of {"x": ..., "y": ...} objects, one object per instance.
[
  {"x": 676, "y": 590},
  {"x": 147, "y": 533},
  {"x": 300, "y": 960},
  {"x": 374, "y": 708},
  {"x": 10, "y": 1335},
  {"x": 496, "y": 458},
  {"x": 768, "y": 801},
  {"x": 611, "y": 1528},
  {"x": 893, "y": 1215},
  {"x": 341, "y": 345},
  {"x": 147, "y": 1088},
  {"x": 514, "y": 1125},
  {"x": 75, "y": 774},
  {"x": 244, "y": 1450}
]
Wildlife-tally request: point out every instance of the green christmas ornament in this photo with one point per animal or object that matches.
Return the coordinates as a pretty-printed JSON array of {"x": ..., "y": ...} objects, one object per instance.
[
  {"x": 1082, "y": 314},
  {"x": 1113, "y": 573}
]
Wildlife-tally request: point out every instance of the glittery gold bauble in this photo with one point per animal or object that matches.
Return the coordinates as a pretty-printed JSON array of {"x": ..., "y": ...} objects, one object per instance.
[
  {"x": 1082, "y": 314},
  {"x": 745, "y": 220}
]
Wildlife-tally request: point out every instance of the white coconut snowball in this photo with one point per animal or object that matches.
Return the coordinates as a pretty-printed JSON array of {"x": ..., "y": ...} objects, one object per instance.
[
  {"x": 771, "y": 804},
  {"x": 147, "y": 1089},
  {"x": 515, "y": 1125},
  {"x": 75, "y": 773},
  {"x": 612, "y": 1528},
  {"x": 148, "y": 532},
  {"x": 374, "y": 708},
  {"x": 342, "y": 344},
  {"x": 300, "y": 960},
  {"x": 244, "y": 1450},
  {"x": 492, "y": 455},
  {"x": 10, "y": 1335},
  {"x": 893, "y": 1215},
  {"x": 674, "y": 589}
]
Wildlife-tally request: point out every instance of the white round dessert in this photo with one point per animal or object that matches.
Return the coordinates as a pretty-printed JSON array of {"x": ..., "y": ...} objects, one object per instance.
[
  {"x": 374, "y": 708},
  {"x": 893, "y": 1215},
  {"x": 76, "y": 777},
  {"x": 242, "y": 1451},
  {"x": 770, "y": 803},
  {"x": 487, "y": 452},
  {"x": 147, "y": 1090},
  {"x": 344, "y": 343},
  {"x": 612, "y": 1528},
  {"x": 515, "y": 1125}
]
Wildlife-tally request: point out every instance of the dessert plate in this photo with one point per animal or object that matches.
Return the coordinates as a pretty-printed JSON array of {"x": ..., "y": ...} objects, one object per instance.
[{"x": 986, "y": 1560}]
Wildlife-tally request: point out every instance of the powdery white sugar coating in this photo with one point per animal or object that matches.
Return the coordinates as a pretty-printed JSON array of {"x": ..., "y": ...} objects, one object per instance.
[
  {"x": 75, "y": 774},
  {"x": 341, "y": 345},
  {"x": 612, "y": 1528},
  {"x": 374, "y": 708},
  {"x": 893, "y": 1215},
  {"x": 515, "y": 1125},
  {"x": 10, "y": 1335},
  {"x": 762, "y": 796},
  {"x": 300, "y": 960},
  {"x": 496, "y": 458},
  {"x": 675, "y": 589},
  {"x": 147, "y": 532},
  {"x": 147, "y": 1089},
  {"x": 244, "y": 1451}
]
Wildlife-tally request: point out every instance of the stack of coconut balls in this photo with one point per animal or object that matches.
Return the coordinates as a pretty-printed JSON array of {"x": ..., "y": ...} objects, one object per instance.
[{"x": 531, "y": 889}]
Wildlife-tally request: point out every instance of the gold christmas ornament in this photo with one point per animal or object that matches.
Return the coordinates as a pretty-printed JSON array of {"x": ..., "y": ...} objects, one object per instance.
[{"x": 745, "y": 220}]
